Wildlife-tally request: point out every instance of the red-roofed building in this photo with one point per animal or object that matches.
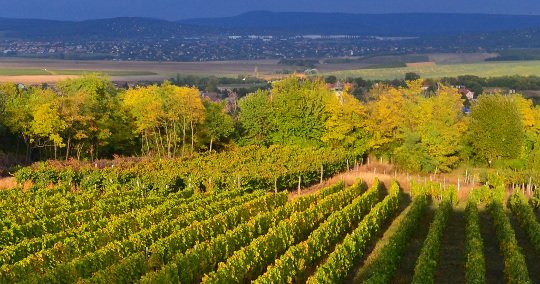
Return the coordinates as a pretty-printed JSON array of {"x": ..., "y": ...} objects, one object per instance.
[{"x": 466, "y": 92}]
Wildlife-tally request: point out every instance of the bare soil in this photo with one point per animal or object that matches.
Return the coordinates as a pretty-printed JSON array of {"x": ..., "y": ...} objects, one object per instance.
[
  {"x": 36, "y": 79},
  {"x": 421, "y": 64},
  {"x": 7, "y": 182}
]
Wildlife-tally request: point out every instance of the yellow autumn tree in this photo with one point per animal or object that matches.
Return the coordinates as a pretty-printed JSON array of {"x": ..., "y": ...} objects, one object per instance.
[
  {"x": 441, "y": 125},
  {"x": 346, "y": 121},
  {"x": 146, "y": 107},
  {"x": 184, "y": 107},
  {"x": 35, "y": 115},
  {"x": 89, "y": 103},
  {"x": 387, "y": 114},
  {"x": 420, "y": 132},
  {"x": 163, "y": 114}
]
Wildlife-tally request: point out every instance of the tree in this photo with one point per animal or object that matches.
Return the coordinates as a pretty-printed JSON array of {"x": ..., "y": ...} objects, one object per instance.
[
  {"x": 90, "y": 104},
  {"x": 145, "y": 106},
  {"x": 161, "y": 113},
  {"x": 211, "y": 84},
  {"x": 412, "y": 155},
  {"x": 442, "y": 125},
  {"x": 185, "y": 104},
  {"x": 387, "y": 115},
  {"x": 411, "y": 76},
  {"x": 496, "y": 128},
  {"x": 346, "y": 122},
  {"x": 473, "y": 83},
  {"x": 421, "y": 133},
  {"x": 299, "y": 111},
  {"x": 46, "y": 125},
  {"x": 218, "y": 124},
  {"x": 35, "y": 115},
  {"x": 7, "y": 91},
  {"x": 255, "y": 118},
  {"x": 330, "y": 79}
]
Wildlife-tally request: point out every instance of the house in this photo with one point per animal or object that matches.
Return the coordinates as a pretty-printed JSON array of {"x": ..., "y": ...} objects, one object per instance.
[
  {"x": 466, "y": 92},
  {"x": 213, "y": 96}
]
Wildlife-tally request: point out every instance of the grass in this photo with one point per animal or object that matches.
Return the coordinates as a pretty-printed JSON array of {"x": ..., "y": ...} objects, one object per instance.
[
  {"x": 532, "y": 258},
  {"x": 451, "y": 266},
  {"x": 365, "y": 269},
  {"x": 492, "y": 252},
  {"x": 405, "y": 270},
  {"x": 31, "y": 72},
  {"x": 22, "y": 72},
  {"x": 483, "y": 69}
]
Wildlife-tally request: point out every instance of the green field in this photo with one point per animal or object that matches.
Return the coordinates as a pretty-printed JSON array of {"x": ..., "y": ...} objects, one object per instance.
[
  {"x": 484, "y": 69},
  {"x": 22, "y": 72}
]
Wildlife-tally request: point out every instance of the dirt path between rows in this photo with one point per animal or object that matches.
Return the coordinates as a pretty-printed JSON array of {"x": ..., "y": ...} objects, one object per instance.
[{"x": 386, "y": 173}]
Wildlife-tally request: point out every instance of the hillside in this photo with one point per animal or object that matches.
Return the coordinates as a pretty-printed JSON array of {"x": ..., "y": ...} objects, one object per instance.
[
  {"x": 116, "y": 28},
  {"x": 285, "y": 23},
  {"x": 413, "y": 24}
]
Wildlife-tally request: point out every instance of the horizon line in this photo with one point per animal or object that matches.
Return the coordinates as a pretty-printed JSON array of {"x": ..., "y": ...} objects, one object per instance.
[{"x": 263, "y": 11}]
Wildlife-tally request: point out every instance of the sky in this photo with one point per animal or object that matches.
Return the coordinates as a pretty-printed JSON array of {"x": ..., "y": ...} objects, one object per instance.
[{"x": 182, "y": 9}]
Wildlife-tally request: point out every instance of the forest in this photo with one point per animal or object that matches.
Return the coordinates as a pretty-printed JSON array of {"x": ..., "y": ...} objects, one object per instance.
[{"x": 419, "y": 129}]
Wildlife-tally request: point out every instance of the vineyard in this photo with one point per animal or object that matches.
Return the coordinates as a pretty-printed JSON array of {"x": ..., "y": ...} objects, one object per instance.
[{"x": 339, "y": 234}]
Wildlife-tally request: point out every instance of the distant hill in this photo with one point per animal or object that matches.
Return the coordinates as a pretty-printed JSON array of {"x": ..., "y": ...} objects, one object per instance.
[
  {"x": 368, "y": 24},
  {"x": 275, "y": 23},
  {"x": 116, "y": 28}
]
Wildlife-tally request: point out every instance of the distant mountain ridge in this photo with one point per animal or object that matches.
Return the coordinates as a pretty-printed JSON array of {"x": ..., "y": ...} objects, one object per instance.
[
  {"x": 272, "y": 23},
  {"x": 113, "y": 28},
  {"x": 409, "y": 24}
]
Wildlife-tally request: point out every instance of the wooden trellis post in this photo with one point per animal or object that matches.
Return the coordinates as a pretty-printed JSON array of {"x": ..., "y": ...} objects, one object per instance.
[
  {"x": 530, "y": 185},
  {"x": 322, "y": 173}
]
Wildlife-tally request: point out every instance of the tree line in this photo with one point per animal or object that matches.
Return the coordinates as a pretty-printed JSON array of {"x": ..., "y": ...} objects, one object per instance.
[
  {"x": 417, "y": 128},
  {"x": 88, "y": 118},
  {"x": 476, "y": 84}
]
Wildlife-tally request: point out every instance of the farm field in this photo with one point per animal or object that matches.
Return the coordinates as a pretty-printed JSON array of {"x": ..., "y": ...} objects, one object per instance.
[
  {"x": 25, "y": 70},
  {"x": 483, "y": 69},
  {"x": 134, "y": 71},
  {"x": 30, "y": 72},
  {"x": 36, "y": 76},
  {"x": 364, "y": 232}
]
